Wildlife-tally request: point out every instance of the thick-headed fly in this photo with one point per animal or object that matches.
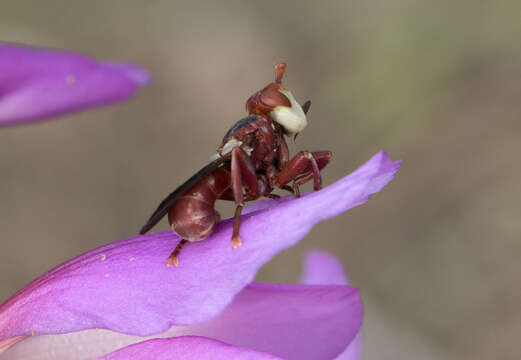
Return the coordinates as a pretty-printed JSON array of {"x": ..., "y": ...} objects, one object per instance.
[{"x": 253, "y": 159}]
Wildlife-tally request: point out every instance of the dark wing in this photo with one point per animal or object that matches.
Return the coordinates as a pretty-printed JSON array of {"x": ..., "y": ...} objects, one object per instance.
[
  {"x": 239, "y": 124},
  {"x": 167, "y": 203}
]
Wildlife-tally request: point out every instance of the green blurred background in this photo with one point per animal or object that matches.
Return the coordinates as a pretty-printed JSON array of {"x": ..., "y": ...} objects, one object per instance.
[{"x": 436, "y": 84}]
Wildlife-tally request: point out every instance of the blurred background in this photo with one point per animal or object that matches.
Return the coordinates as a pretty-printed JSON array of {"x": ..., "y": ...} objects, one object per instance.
[{"x": 436, "y": 84}]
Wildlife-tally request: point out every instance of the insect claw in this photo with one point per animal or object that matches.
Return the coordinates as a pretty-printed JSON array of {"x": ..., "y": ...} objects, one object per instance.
[
  {"x": 172, "y": 259},
  {"x": 236, "y": 242},
  {"x": 296, "y": 190}
]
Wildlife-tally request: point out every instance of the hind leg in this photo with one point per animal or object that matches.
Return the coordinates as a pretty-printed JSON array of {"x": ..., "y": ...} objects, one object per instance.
[{"x": 173, "y": 258}]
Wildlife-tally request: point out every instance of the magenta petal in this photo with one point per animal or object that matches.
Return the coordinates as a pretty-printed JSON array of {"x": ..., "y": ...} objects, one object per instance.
[
  {"x": 291, "y": 321},
  {"x": 321, "y": 267},
  {"x": 36, "y": 83},
  {"x": 186, "y": 347},
  {"x": 126, "y": 287}
]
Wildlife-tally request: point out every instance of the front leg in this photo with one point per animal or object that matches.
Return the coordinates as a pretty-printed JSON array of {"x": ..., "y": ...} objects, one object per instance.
[
  {"x": 302, "y": 168},
  {"x": 243, "y": 174}
]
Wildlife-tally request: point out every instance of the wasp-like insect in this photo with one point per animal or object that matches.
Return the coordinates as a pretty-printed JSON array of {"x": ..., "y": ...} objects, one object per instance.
[{"x": 251, "y": 162}]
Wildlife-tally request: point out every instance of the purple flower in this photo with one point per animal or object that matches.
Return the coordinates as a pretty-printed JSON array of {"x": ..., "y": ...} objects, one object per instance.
[
  {"x": 320, "y": 268},
  {"x": 112, "y": 296},
  {"x": 37, "y": 83}
]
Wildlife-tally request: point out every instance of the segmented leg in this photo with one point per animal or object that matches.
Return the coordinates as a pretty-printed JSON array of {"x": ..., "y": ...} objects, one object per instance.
[
  {"x": 243, "y": 174},
  {"x": 173, "y": 259},
  {"x": 236, "y": 240},
  {"x": 302, "y": 179},
  {"x": 302, "y": 168}
]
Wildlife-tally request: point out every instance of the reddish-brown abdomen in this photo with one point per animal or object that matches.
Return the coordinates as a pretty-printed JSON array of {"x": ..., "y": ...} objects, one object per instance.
[{"x": 193, "y": 216}]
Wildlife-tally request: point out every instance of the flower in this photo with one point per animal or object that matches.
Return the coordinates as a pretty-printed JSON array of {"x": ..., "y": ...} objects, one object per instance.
[
  {"x": 114, "y": 295},
  {"x": 320, "y": 268},
  {"x": 37, "y": 83}
]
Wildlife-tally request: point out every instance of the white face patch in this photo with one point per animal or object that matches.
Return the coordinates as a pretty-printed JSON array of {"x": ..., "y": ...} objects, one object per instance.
[{"x": 291, "y": 118}]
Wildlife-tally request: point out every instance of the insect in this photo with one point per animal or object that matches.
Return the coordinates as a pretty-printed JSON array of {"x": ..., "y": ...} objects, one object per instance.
[{"x": 252, "y": 160}]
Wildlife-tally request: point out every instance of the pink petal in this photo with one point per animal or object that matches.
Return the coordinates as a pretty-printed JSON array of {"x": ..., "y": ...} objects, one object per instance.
[
  {"x": 125, "y": 286},
  {"x": 290, "y": 321},
  {"x": 186, "y": 347},
  {"x": 37, "y": 83},
  {"x": 321, "y": 267}
]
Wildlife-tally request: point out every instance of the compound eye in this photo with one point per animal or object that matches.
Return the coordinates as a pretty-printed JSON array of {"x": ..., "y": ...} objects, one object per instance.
[{"x": 272, "y": 97}]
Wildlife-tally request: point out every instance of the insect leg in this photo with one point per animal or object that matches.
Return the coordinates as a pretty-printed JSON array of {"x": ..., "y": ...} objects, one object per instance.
[
  {"x": 172, "y": 259},
  {"x": 236, "y": 240},
  {"x": 243, "y": 174},
  {"x": 302, "y": 168},
  {"x": 299, "y": 180},
  {"x": 283, "y": 153}
]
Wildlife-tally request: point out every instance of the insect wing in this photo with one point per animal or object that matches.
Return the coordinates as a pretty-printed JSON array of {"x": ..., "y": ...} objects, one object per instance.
[{"x": 167, "y": 203}]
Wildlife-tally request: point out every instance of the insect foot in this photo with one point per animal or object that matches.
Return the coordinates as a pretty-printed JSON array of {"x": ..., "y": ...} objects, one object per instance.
[
  {"x": 173, "y": 259},
  {"x": 236, "y": 242}
]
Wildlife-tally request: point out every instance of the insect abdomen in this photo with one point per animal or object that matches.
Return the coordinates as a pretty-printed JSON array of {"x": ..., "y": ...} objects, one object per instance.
[{"x": 193, "y": 216}]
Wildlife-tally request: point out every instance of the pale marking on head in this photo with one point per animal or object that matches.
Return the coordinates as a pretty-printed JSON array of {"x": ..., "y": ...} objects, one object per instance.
[{"x": 291, "y": 118}]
